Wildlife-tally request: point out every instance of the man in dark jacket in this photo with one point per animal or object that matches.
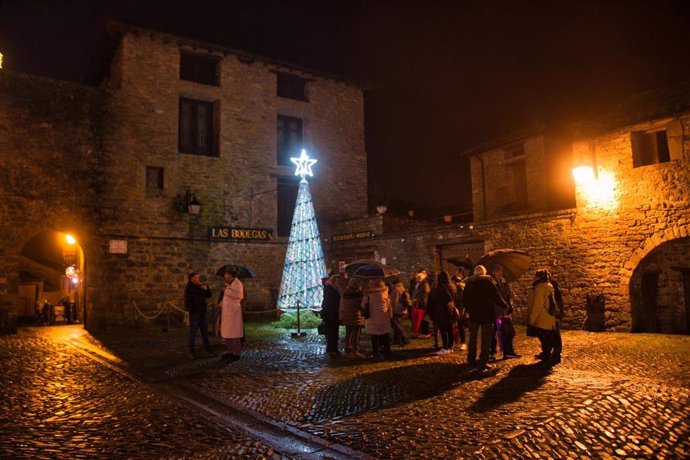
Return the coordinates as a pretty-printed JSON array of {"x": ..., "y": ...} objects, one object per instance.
[
  {"x": 480, "y": 297},
  {"x": 504, "y": 322},
  {"x": 195, "y": 295},
  {"x": 329, "y": 313}
]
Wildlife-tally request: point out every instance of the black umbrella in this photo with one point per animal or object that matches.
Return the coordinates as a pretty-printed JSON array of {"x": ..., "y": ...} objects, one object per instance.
[
  {"x": 352, "y": 267},
  {"x": 376, "y": 271},
  {"x": 242, "y": 272},
  {"x": 467, "y": 263},
  {"x": 514, "y": 262}
]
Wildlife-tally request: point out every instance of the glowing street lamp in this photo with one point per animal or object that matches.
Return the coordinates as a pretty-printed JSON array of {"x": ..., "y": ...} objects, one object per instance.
[
  {"x": 70, "y": 239},
  {"x": 583, "y": 174}
]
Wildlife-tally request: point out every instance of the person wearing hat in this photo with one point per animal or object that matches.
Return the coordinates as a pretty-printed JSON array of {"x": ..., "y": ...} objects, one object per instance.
[{"x": 231, "y": 323}]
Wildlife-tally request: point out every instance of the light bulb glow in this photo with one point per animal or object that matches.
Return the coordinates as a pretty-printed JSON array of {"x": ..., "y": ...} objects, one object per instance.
[
  {"x": 583, "y": 175},
  {"x": 600, "y": 192},
  {"x": 70, "y": 239}
]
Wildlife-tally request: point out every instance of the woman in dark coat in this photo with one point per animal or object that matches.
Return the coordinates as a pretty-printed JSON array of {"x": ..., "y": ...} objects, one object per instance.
[
  {"x": 352, "y": 318},
  {"x": 443, "y": 304}
]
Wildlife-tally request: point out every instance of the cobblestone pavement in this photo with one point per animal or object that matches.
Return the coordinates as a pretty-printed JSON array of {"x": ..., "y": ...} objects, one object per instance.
[
  {"x": 56, "y": 402},
  {"x": 613, "y": 396}
]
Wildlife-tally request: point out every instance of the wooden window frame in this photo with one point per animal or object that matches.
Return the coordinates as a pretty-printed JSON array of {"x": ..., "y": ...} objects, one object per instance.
[
  {"x": 192, "y": 68},
  {"x": 189, "y": 132},
  {"x": 285, "y": 149}
]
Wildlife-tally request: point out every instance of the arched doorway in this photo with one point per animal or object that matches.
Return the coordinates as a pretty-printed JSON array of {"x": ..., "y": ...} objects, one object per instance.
[
  {"x": 51, "y": 279},
  {"x": 660, "y": 289}
]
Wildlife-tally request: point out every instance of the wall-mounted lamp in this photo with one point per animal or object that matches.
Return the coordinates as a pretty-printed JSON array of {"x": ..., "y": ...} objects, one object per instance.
[
  {"x": 381, "y": 209},
  {"x": 584, "y": 171},
  {"x": 188, "y": 203}
]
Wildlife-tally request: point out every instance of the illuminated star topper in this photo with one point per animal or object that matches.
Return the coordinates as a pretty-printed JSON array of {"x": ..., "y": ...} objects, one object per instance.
[{"x": 304, "y": 164}]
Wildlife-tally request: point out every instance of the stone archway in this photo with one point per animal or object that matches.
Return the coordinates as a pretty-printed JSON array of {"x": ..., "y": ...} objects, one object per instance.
[
  {"x": 51, "y": 272},
  {"x": 660, "y": 289}
]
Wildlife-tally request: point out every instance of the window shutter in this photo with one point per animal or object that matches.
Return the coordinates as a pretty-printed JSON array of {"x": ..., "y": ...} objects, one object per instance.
[
  {"x": 674, "y": 136},
  {"x": 215, "y": 147}
]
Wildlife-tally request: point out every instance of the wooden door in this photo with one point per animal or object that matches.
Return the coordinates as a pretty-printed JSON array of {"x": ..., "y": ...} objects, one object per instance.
[{"x": 27, "y": 298}]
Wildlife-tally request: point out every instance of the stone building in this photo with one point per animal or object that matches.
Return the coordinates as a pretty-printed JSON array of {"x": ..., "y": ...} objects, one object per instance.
[
  {"x": 175, "y": 158},
  {"x": 617, "y": 238}
]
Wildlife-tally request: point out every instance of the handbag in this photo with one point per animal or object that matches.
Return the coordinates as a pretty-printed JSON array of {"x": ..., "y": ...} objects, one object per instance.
[
  {"x": 453, "y": 311},
  {"x": 553, "y": 306}
]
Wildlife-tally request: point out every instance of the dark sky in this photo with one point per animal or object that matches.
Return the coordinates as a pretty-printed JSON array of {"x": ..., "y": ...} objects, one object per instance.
[{"x": 448, "y": 75}]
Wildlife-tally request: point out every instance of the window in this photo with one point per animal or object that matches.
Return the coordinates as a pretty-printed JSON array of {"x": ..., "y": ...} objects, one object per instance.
[
  {"x": 292, "y": 87},
  {"x": 287, "y": 196},
  {"x": 154, "y": 178},
  {"x": 518, "y": 172},
  {"x": 199, "y": 127},
  {"x": 199, "y": 68},
  {"x": 650, "y": 148},
  {"x": 289, "y": 138}
]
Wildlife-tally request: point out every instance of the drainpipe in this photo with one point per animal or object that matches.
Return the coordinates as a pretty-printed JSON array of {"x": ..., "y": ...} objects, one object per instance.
[{"x": 481, "y": 161}]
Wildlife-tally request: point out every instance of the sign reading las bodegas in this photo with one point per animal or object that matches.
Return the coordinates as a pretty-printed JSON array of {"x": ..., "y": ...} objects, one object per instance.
[{"x": 245, "y": 234}]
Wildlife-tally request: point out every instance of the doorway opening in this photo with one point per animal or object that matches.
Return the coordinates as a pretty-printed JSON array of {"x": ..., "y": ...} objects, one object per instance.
[
  {"x": 660, "y": 290},
  {"x": 51, "y": 280}
]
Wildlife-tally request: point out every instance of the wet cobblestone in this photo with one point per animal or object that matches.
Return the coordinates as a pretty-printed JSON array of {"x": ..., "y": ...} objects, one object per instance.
[
  {"x": 613, "y": 396},
  {"x": 58, "y": 403}
]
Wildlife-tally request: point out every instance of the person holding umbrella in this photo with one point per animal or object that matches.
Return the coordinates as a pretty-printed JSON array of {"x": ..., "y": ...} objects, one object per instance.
[
  {"x": 378, "y": 325},
  {"x": 231, "y": 323},
  {"x": 195, "y": 295}
]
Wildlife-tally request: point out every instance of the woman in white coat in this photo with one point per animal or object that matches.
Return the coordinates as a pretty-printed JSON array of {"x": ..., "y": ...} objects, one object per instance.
[
  {"x": 378, "y": 325},
  {"x": 231, "y": 324}
]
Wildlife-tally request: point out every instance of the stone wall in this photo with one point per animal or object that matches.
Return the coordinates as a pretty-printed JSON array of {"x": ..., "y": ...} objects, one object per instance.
[
  {"x": 52, "y": 173},
  {"x": 494, "y": 192},
  {"x": 630, "y": 220},
  {"x": 74, "y": 160},
  {"x": 238, "y": 188}
]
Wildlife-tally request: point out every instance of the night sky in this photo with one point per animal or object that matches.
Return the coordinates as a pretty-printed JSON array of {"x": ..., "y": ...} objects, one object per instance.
[{"x": 446, "y": 75}]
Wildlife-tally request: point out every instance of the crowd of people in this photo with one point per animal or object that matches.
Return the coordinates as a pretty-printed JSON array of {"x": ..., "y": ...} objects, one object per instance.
[{"x": 445, "y": 307}]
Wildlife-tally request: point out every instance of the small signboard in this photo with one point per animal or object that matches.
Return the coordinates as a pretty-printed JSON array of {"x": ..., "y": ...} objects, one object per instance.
[
  {"x": 353, "y": 236},
  {"x": 117, "y": 246},
  {"x": 246, "y": 234}
]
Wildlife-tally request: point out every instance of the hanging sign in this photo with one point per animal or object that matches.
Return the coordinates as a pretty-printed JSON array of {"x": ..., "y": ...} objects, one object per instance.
[
  {"x": 246, "y": 234},
  {"x": 353, "y": 236}
]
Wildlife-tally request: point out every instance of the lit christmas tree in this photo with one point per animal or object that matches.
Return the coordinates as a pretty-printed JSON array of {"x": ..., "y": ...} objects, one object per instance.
[{"x": 304, "y": 263}]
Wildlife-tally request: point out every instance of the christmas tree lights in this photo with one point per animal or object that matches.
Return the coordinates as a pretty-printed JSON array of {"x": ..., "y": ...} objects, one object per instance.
[{"x": 304, "y": 262}]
